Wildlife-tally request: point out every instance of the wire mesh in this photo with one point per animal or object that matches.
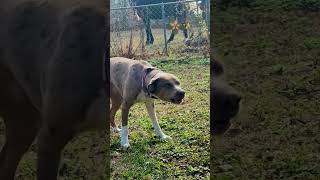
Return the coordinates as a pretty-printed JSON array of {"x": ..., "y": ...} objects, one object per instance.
[{"x": 149, "y": 28}]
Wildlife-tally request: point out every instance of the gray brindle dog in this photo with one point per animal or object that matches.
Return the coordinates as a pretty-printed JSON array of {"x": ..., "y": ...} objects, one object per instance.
[{"x": 133, "y": 81}]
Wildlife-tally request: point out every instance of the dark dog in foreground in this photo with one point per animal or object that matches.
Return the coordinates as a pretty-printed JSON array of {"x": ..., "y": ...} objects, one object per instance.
[
  {"x": 224, "y": 100},
  {"x": 51, "y": 76}
]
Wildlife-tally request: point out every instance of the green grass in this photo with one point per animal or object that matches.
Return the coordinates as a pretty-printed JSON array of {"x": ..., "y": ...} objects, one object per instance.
[
  {"x": 272, "y": 58},
  {"x": 83, "y": 158},
  {"x": 186, "y": 156}
]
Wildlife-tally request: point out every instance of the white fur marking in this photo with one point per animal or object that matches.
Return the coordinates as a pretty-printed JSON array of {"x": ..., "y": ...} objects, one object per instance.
[
  {"x": 116, "y": 129},
  {"x": 124, "y": 137},
  {"x": 155, "y": 123}
]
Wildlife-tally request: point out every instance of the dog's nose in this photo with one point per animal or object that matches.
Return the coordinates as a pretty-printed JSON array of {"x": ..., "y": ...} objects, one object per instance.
[
  {"x": 235, "y": 98},
  {"x": 181, "y": 94}
]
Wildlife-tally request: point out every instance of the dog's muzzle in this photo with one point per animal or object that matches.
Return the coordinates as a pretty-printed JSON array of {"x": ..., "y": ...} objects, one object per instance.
[
  {"x": 221, "y": 128},
  {"x": 178, "y": 97}
]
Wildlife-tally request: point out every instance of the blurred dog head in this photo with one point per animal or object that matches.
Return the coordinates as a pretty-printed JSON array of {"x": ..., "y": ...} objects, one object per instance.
[
  {"x": 225, "y": 100},
  {"x": 166, "y": 87}
]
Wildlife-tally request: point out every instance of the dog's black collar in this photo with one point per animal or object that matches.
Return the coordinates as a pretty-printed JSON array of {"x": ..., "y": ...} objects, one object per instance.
[{"x": 146, "y": 72}]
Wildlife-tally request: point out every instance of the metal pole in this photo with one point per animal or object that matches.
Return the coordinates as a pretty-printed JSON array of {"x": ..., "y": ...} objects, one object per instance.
[
  {"x": 197, "y": 3},
  {"x": 200, "y": 19},
  {"x": 164, "y": 29},
  {"x": 208, "y": 14}
]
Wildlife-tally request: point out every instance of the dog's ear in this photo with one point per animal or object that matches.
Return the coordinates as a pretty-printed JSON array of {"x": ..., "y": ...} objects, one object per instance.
[
  {"x": 152, "y": 86},
  {"x": 149, "y": 69}
]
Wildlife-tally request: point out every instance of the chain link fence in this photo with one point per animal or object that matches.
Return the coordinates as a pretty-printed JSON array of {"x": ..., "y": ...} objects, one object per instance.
[{"x": 176, "y": 28}]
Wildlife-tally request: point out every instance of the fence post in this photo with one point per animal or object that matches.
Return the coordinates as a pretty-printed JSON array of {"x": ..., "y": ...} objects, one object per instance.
[
  {"x": 197, "y": 4},
  {"x": 164, "y": 29},
  {"x": 208, "y": 14}
]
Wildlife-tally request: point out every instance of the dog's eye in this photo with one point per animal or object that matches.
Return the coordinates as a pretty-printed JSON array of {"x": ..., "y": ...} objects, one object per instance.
[{"x": 168, "y": 85}]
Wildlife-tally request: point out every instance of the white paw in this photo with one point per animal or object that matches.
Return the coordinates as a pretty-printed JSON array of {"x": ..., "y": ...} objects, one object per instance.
[
  {"x": 124, "y": 137},
  {"x": 116, "y": 129},
  {"x": 165, "y": 137},
  {"x": 125, "y": 145}
]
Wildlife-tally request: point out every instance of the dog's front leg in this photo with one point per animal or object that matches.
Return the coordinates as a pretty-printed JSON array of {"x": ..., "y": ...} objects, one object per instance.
[
  {"x": 155, "y": 123},
  {"x": 50, "y": 146}
]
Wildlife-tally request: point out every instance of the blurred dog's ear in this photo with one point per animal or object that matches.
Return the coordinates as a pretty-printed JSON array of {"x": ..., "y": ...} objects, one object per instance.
[
  {"x": 152, "y": 86},
  {"x": 216, "y": 67}
]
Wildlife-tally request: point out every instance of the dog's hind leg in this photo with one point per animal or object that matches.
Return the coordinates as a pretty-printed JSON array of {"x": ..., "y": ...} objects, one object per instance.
[
  {"x": 18, "y": 139},
  {"x": 116, "y": 101},
  {"x": 52, "y": 139},
  {"x": 21, "y": 124},
  {"x": 155, "y": 123},
  {"x": 126, "y": 105}
]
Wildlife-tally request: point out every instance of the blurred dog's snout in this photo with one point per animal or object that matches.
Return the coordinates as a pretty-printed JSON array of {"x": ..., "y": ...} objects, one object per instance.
[
  {"x": 235, "y": 99},
  {"x": 181, "y": 94},
  {"x": 238, "y": 99}
]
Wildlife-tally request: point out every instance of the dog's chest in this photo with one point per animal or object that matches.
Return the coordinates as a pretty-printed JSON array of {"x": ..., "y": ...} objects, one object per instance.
[{"x": 142, "y": 97}]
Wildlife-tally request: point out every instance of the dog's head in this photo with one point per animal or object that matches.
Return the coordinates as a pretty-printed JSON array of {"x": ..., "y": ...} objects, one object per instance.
[
  {"x": 225, "y": 100},
  {"x": 166, "y": 87}
]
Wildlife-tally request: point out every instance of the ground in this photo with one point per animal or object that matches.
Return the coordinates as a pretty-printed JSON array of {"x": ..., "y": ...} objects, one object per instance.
[
  {"x": 272, "y": 58},
  {"x": 83, "y": 158},
  {"x": 186, "y": 156}
]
